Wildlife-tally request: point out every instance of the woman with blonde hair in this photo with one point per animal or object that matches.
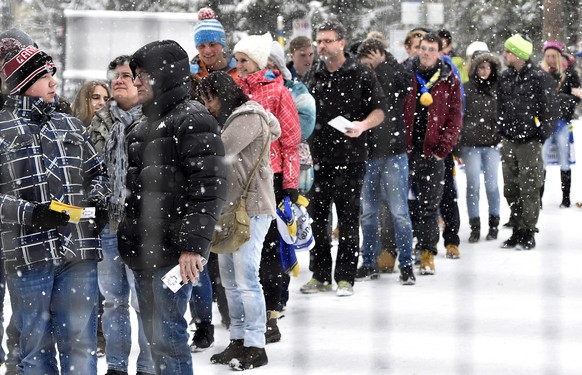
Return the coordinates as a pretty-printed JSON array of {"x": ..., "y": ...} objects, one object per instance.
[
  {"x": 566, "y": 79},
  {"x": 91, "y": 97}
]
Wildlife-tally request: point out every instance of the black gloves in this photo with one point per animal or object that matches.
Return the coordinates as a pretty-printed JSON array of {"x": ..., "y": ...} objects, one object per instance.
[
  {"x": 43, "y": 218},
  {"x": 293, "y": 194},
  {"x": 101, "y": 218}
]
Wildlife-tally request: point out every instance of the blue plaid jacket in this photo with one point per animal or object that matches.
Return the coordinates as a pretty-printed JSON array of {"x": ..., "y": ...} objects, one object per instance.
[{"x": 44, "y": 156}]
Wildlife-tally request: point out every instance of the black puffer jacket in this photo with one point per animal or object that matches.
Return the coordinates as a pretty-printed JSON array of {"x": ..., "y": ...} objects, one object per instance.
[
  {"x": 176, "y": 174},
  {"x": 480, "y": 119},
  {"x": 522, "y": 97}
]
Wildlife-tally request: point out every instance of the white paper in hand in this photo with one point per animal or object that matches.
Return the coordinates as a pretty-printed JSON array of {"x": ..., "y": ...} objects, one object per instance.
[
  {"x": 173, "y": 279},
  {"x": 341, "y": 123}
]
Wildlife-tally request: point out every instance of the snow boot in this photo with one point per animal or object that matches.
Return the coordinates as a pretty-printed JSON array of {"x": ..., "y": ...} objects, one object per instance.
[
  {"x": 233, "y": 350},
  {"x": 250, "y": 357},
  {"x": 566, "y": 182},
  {"x": 386, "y": 261},
  {"x": 407, "y": 276},
  {"x": 203, "y": 337},
  {"x": 272, "y": 334},
  {"x": 513, "y": 240},
  {"x": 493, "y": 231},
  {"x": 475, "y": 224},
  {"x": 527, "y": 240}
]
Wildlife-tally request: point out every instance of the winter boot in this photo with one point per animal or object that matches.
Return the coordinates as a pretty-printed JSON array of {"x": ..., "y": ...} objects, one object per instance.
[
  {"x": 234, "y": 349},
  {"x": 513, "y": 240},
  {"x": 386, "y": 261},
  {"x": 250, "y": 357},
  {"x": 427, "y": 263},
  {"x": 203, "y": 337},
  {"x": 527, "y": 240},
  {"x": 407, "y": 276},
  {"x": 475, "y": 223},
  {"x": 493, "y": 224},
  {"x": 566, "y": 182},
  {"x": 115, "y": 372},
  {"x": 365, "y": 273},
  {"x": 272, "y": 334}
]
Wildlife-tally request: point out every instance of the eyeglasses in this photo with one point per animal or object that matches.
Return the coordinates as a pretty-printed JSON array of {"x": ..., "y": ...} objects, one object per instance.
[
  {"x": 325, "y": 41},
  {"x": 125, "y": 76},
  {"x": 143, "y": 76},
  {"x": 429, "y": 49}
]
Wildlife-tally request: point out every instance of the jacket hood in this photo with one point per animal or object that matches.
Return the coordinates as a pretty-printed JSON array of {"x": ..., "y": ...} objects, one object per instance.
[
  {"x": 169, "y": 67},
  {"x": 485, "y": 56},
  {"x": 252, "y": 107}
]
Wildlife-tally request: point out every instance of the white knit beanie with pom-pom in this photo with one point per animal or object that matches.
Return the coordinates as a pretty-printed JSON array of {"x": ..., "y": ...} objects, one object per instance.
[{"x": 256, "y": 47}]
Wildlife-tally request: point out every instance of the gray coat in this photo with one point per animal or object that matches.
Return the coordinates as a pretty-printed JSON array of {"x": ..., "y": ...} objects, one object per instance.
[{"x": 244, "y": 135}]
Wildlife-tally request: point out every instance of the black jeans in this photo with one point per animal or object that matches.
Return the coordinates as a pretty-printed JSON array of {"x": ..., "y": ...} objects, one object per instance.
[
  {"x": 271, "y": 271},
  {"x": 426, "y": 179},
  {"x": 449, "y": 207},
  {"x": 340, "y": 185}
]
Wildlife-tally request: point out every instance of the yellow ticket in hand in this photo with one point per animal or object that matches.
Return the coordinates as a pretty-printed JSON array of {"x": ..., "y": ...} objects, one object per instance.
[{"x": 74, "y": 212}]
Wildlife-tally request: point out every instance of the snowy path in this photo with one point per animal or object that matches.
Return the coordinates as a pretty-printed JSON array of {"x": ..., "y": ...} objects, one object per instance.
[{"x": 493, "y": 311}]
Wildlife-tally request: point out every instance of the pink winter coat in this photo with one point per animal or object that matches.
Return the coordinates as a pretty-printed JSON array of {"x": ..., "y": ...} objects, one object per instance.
[{"x": 266, "y": 87}]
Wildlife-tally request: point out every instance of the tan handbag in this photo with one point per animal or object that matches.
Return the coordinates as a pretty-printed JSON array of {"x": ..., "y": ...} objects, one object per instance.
[{"x": 234, "y": 225}]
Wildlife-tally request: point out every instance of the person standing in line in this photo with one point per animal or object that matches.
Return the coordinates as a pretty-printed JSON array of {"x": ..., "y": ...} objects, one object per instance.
[
  {"x": 266, "y": 87},
  {"x": 301, "y": 52},
  {"x": 305, "y": 105},
  {"x": 176, "y": 190},
  {"x": 386, "y": 177},
  {"x": 479, "y": 141},
  {"x": 210, "y": 42},
  {"x": 91, "y": 97},
  {"x": 48, "y": 157},
  {"x": 341, "y": 86},
  {"x": 247, "y": 130},
  {"x": 566, "y": 79},
  {"x": 109, "y": 130},
  {"x": 433, "y": 116},
  {"x": 528, "y": 108}
]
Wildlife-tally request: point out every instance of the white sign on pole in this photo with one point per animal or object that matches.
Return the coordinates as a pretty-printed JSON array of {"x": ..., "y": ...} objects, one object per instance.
[
  {"x": 435, "y": 13},
  {"x": 301, "y": 27}
]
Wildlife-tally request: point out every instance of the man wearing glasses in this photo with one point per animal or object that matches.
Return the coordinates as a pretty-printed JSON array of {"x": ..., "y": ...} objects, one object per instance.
[
  {"x": 528, "y": 108},
  {"x": 109, "y": 129},
  {"x": 341, "y": 86},
  {"x": 177, "y": 186},
  {"x": 433, "y": 116}
]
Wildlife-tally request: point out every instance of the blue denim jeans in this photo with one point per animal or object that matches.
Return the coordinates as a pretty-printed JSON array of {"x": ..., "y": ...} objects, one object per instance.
[
  {"x": 386, "y": 182},
  {"x": 562, "y": 139},
  {"x": 239, "y": 272},
  {"x": 201, "y": 299},
  {"x": 56, "y": 303},
  {"x": 166, "y": 329},
  {"x": 115, "y": 283},
  {"x": 486, "y": 160}
]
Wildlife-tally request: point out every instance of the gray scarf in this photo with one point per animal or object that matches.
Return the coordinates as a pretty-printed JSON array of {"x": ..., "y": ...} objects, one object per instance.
[{"x": 116, "y": 160}]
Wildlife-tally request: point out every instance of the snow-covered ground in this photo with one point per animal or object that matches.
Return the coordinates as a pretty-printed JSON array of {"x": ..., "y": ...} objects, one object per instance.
[{"x": 493, "y": 311}]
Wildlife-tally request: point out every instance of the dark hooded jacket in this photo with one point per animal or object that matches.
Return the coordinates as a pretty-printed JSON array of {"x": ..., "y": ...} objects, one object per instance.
[
  {"x": 527, "y": 104},
  {"x": 176, "y": 175},
  {"x": 389, "y": 138},
  {"x": 480, "y": 119}
]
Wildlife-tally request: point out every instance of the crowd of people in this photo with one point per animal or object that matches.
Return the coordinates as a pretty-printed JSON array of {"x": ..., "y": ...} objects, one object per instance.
[{"x": 150, "y": 158}]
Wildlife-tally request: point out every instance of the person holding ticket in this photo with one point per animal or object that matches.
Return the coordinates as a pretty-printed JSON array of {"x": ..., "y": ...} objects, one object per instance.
[
  {"x": 48, "y": 165},
  {"x": 341, "y": 86}
]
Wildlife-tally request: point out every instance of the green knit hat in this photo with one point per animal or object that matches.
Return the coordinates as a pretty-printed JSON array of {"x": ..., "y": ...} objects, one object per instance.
[{"x": 519, "y": 46}]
